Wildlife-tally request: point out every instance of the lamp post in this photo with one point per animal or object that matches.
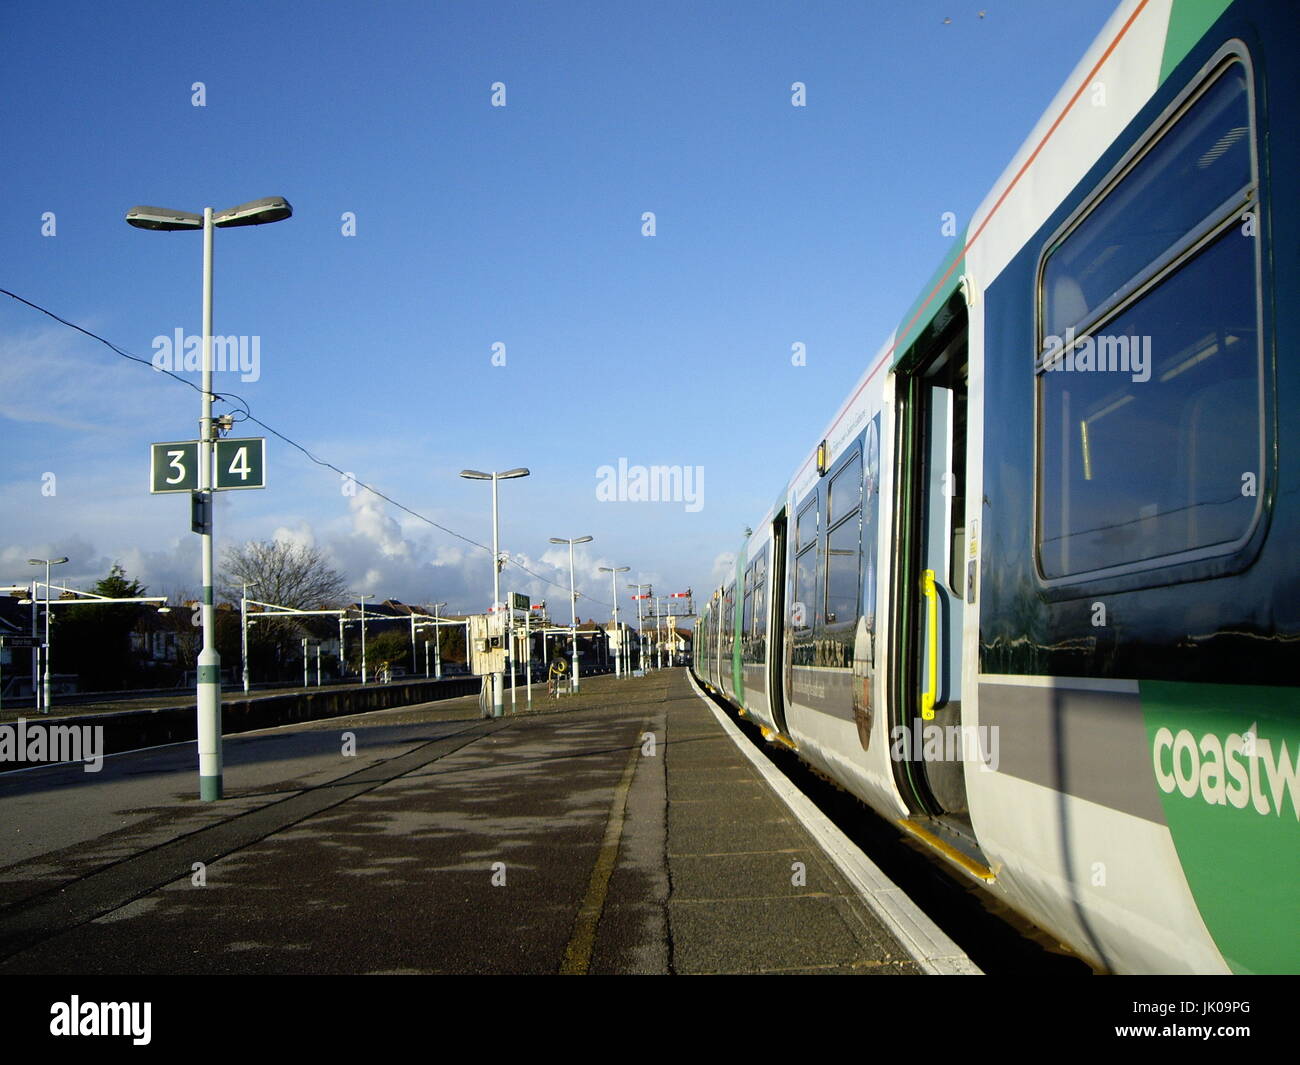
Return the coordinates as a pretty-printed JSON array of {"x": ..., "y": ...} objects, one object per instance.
[
  {"x": 363, "y": 634},
  {"x": 659, "y": 636},
  {"x": 640, "y": 630},
  {"x": 437, "y": 644},
  {"x": 243, "y": 631},
  {"x": 254, "y": 213},
  {"x": 618, "y": 636},
  {"x": 573, "y": 597},
  {"x": 45, "y": 653},
  {"x": 509, "y": 475}
]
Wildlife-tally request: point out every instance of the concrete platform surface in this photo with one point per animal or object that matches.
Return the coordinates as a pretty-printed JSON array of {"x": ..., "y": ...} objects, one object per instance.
[{"x": 616, "y": 831}]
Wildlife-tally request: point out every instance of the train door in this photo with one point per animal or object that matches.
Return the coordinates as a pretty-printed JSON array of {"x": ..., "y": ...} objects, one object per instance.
[
  {"x": 929, "y": 596},
  {"x": 727, "y": 651},
  {"x": 777, "y": 648}
]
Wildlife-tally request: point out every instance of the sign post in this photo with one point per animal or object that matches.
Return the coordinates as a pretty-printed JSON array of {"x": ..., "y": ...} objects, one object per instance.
[
  {"x": 308, "y": 642},
  {"x": 201, "y": 467}
]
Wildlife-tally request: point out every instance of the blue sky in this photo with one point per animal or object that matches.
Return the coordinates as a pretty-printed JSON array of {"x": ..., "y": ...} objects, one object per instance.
[{"x": 479, "y": 225}]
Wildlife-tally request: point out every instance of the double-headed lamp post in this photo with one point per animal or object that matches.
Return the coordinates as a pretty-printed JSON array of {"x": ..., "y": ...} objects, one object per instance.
[
  {"x": 618, "y": 636},
  {"x": 573, "y": 597},
  {"x": 45, "y": 652},
  {"x": 508, "y": 475},
  {"x": 254, "y": 213}
]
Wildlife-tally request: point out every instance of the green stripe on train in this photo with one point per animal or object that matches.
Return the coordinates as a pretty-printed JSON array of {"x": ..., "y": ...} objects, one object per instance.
[
  {"x": 1226, "y": 761},
  {"x": 942, "y": 284},
  {"x": 1188, "y": 22}
]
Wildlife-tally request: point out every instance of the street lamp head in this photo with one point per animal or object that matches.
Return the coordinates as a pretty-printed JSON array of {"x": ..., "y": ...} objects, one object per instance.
[
  {"x": 47, "y": 561},
  {"x": 577, "y": 540},
  {"x": 163, "y": 218},
  {"x": 254, "y": 213},
  {"x": 479, "y": 475}
]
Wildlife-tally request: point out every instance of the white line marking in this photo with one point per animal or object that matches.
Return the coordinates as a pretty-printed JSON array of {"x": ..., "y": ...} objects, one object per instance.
[{"x": 929, "y": 946}]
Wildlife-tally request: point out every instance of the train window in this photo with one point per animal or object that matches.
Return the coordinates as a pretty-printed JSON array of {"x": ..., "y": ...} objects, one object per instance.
[
  {"x": 747, "y": 616},
  {"x": 760, "y": 597},
  {"x": 1151, "y": 422},
  {"x": 806, "y": 529},
  {"x": 804, "y": 601},
  {"x": 1201, "y": 164},
  {"x": 957, "y": 486},
  {"x": 844, "y": 542},
  {"x": 846, "y": 489},
  {"x": 728, "y": 621},
  {"x": 844, "y": 570}
]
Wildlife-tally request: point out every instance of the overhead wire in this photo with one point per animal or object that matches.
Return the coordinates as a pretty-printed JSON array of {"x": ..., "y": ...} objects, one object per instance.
[{"x": 234, "y": 398}]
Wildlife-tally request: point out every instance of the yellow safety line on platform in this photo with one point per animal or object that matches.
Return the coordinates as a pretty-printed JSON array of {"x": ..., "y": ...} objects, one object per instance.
[
  {"x": 577, "y": 955},
  {"x": 950, "y": 852}
]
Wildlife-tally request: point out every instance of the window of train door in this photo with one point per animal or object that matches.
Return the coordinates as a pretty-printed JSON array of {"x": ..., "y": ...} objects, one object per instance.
[{"x": 933, "y": 572}]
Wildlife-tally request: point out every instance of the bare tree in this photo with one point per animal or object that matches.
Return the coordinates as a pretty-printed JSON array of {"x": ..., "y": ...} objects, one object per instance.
[{"x": 288, "y": 574}]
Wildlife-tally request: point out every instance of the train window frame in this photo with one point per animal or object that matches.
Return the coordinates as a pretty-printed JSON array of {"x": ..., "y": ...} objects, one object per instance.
[
  {"x": 853, "y": 457},
  {"x": 728, "y": 621},
  {"x": 809, "y": 504},
  {"x": 747, "y": 609},
  {"x": 1202, "y": 237},
  {"x": 812, "y": 546}
]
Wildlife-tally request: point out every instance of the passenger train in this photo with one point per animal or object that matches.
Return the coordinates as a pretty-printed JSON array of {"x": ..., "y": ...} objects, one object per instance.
[{"x": 1033, "y": 593}]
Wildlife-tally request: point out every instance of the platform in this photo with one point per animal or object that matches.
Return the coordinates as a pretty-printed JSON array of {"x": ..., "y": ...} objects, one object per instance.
[{"x": 620, "y": 830}]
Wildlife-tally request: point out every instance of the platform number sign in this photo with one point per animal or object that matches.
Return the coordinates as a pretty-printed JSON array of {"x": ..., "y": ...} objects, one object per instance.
[
  {"x": 174, "y": 467},
  {"x": 240, "y": 463}
]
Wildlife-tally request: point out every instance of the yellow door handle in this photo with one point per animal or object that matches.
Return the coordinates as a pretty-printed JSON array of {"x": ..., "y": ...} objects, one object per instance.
[{"x": 932, "y": 656}]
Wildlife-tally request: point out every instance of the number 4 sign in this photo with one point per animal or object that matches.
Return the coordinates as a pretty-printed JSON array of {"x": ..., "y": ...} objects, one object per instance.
[{"x": 241, "y": 463}]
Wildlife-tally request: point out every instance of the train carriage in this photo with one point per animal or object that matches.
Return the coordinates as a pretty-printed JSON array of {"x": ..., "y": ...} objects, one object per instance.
[{"x": 1033, "y": 593}]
